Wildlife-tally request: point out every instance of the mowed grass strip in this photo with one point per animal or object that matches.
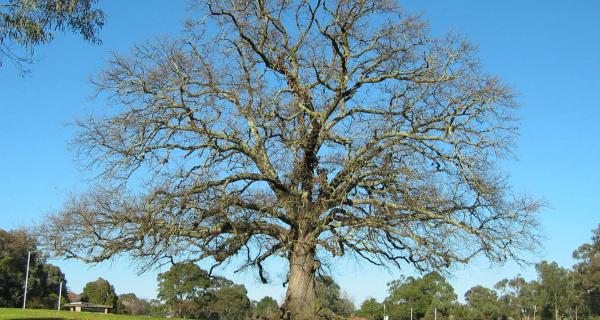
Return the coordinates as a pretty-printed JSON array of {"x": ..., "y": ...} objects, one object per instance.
[{"x": 34, "y": 314}]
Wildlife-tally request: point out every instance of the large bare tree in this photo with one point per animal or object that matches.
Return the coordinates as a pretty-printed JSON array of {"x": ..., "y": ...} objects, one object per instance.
[{"x": 304, "y": 130}]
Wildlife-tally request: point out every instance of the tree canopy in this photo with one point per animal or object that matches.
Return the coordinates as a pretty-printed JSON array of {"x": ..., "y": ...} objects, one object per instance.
[
  {"x": 518, "y": 297},
  {"x": 483, "y": 302},
  {"x": 25, "y": 24},
  {"x": 371, "y": 309},
  {"x": 182, "y": 287},
  {"x": 267, "y": 307},
  {"x": 424, "y": 295},
  {"x": 100, "y": 291},
  {"x": 129, "y": 303},
  {"x": 587, "y": 270},
  {"x": 190, "y": 291},
  {"x": 230, "y": 302},
  {"x": 330, "y": 297},
  {"x": 299, "y": 129},
  {"x": 183, "y": 281}
]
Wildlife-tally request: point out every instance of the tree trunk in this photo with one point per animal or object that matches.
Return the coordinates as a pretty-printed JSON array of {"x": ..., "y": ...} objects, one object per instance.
[{"x": 301, "y": 297}]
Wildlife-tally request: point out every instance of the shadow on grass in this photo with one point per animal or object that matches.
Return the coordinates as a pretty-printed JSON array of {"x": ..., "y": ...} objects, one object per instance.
[{"x": 36, "y": 318}]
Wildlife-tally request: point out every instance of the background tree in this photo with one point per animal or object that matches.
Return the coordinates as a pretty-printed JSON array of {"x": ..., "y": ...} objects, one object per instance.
[
  {"x": 556, "y": 290},
  {"x": 518, "y": 298},
  {"x": 44, "y": 279},
  {"x": 25, "y": 24},
  {"x": 265, "y": 308},
  {"x": 423, "y": 295},
  {"x": 530, "y": 298},
  {"x": 159, "y": 309},
  {"x": 44, "y": 286},
  {"x": 587, "y": 272},
  {"x": 230, "y": 302},
  {"x": 371, "y": 309},
  {"x": 129, "y": 303},
  {"x": 125, "y": 300},
  {"x": 460, "y": 311},
  {"x": 13, "y": 261},
  {"x": 443, "y": 300},
  {"x": 300, "y": 129},
  {"x": 330, "y": 297},
  {"x": 483, "y": 303},
  {"x": 190, "y": 291},
  {"x": 181, "y": 288},
  {"x": 100, "y": 292}
]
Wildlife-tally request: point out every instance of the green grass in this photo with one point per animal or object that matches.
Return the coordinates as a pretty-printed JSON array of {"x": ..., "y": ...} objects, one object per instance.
[{"x": 34, "y": 314}]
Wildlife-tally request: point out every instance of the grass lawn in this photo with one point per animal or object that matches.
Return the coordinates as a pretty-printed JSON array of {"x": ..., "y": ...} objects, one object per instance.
[{"x": 33, "y": 314}]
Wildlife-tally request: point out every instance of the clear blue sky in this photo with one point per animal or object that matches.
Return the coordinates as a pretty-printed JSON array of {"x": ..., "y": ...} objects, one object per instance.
[{"x": 548, "y": 51}]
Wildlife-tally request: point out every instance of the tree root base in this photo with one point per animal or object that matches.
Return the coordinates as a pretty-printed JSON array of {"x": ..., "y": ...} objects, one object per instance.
[{"x": 322, "y": 314}]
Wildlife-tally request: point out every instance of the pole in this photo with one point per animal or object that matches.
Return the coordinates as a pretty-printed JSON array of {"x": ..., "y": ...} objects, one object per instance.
[
  {"x": 435, "y": 314},
  {"x": 411, "y": 317},
  {"x": 59, "y": 296},
  {"x": 555, "y": 307},
  {"x": 534, "y": 311},
  {"x": 26, "y": 279},
  {"x": 385, "y": 316}
]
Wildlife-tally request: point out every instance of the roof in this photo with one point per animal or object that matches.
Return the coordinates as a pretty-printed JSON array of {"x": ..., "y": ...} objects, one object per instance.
[{"x": 88, "y": 305}]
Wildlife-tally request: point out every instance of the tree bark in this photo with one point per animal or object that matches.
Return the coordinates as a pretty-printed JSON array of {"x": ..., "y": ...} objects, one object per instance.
[{"x": 301, "y": 297}]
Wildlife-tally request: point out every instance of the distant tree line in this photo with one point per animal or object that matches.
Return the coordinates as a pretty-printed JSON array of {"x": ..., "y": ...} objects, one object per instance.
[
  {"x": 557, "y": 293},
  {"x": 188, "y": 291}
]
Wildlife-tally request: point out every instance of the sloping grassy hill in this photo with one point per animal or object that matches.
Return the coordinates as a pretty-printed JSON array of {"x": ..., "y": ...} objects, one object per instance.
[{"x": 34, "y": 314}]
